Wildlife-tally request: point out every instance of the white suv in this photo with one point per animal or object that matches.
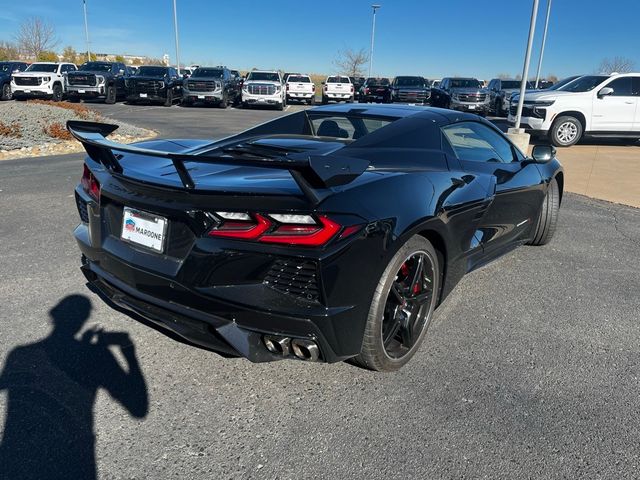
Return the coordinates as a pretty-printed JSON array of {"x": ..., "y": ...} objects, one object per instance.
[
  {"x": 338, "y": 88},
  {"x": 41, "y": 79},
  {"x": 594, "y": 105},
  {"x": 263, "y": 87}
]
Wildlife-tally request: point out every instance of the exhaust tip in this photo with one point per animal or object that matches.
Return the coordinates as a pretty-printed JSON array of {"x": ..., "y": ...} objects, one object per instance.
[
  {"x": 277, "y": 345},
  {"x": 305, "y": 349}
]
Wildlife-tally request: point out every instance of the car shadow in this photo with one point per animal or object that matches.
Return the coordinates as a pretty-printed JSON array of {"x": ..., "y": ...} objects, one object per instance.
[{"x": 51, "y": 389}]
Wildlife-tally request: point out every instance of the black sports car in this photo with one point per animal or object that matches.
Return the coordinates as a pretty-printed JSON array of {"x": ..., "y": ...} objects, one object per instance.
[{"x": 327, "y": 234}]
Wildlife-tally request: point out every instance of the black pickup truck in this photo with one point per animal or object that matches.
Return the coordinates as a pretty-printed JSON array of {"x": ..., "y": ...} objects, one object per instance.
[
  {"x": 97, "y": 80},
  {"x": 375, "y": 90},
  {"x": 155, "y": 84},
  {"x": 410, "y": 89},
  {"x": 463, "y": 94}
]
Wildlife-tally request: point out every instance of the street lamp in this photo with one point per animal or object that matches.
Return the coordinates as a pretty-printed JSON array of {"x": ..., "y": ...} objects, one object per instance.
[
  {"x": 544, "y": 41},
  {"x": 373, "y": 33},
  {"x": 527, "y": 59},
  {"x": 175, "y": 25},
  {"x": 86, "y": 29}
]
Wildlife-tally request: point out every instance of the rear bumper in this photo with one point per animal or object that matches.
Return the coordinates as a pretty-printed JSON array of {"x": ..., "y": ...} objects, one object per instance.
[{"x": 219, "y": 298}]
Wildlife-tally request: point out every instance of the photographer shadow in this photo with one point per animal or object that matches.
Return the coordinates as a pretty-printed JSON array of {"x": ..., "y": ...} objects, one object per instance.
[{"x": 51, "y": 390}]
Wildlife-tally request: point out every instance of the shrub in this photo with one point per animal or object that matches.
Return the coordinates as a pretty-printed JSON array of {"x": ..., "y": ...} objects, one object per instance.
[
  {"x": 12, "y": 130},
  {"x": 57, "y": 130}
]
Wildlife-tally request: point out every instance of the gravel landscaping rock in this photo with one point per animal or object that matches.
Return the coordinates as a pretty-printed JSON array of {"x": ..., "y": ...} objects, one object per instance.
[{"x": 26, "y": 128}]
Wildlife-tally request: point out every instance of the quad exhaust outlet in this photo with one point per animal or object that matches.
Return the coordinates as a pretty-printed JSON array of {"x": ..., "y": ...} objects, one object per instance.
[{"x": 301, "y": 348}]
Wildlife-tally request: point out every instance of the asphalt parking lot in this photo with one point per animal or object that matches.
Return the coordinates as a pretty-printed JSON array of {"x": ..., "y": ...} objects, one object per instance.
[{"x": 530, "y": 369}]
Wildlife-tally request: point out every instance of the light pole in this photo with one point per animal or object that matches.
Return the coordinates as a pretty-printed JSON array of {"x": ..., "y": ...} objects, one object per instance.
[
  {"x": 86, "y": 29},
  {"x": 175, "y": 26},
  {"x": 373, "y": 34},
  {"x": 527, "y": 59},
  {"x": 544, "y": 41}
]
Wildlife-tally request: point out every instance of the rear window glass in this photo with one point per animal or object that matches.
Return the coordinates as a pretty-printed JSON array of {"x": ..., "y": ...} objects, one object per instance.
[
  {"x": 345, "y": 126},
  {"x": 378, "y": 81},
  {"x": 338, "y": 80},
  {"x": 299, "y": 79}
]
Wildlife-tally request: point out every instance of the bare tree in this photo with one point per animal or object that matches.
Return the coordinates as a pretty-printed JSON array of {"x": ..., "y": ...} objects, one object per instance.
[
  {"x": 503, "y": 76},
  {"x": 616, "y": 64},
  {"x": 8, "y": 51},
  {"x": 351, "y": 62},
  {"x": 36, "y": 35}
]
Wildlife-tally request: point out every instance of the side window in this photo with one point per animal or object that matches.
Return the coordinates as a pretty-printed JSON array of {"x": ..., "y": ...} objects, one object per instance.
[
  {"x": 635, "y": 86},
  {"x": 474, "y": 142},
  {"x": 621, "y": 87}
]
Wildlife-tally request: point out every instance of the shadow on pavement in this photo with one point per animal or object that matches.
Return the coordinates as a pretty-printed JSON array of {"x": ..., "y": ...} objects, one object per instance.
[{"x": 52, "y": 385}]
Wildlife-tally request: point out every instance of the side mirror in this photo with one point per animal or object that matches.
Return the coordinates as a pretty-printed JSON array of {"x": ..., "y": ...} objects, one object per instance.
[
  {"x": 605, "y": 91},
  {"x": 543, "y": 153},
  {"x": 121, "y": 72}
]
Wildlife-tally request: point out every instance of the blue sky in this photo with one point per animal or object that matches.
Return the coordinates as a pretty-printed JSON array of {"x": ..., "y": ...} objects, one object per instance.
[{"x": 433, "y": 38}]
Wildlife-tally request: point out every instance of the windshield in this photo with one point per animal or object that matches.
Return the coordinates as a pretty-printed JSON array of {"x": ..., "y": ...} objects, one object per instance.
[
  {"x": 5, "y": 67},
  {"x": 43, "y": 67},
  {"x": 377, "y": 81},
  {"x": 208, "y": 72},
  {"x": 512, "y": 84},
  {"x": 465, "y": 83},
  {"x": 560, "y": 85},
  {"x": 410, "y": 82},
  {"x": 96, "y": 67},
  {"x": 151, "y": 71},
  {"x": 266, "y": 76},
  {"x": 338, "y": 80},
  {"x": 585, "y": 84},
  {"x": 299, "y": 79}
]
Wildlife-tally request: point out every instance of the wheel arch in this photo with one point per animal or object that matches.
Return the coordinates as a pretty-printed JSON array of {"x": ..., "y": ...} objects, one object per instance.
[
  {"x": 439, "y": 244},
  {"x": 574, "y": 113}
]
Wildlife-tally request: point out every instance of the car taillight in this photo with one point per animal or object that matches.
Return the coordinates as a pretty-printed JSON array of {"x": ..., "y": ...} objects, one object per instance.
[
  {"x": 287, "y": 87},
  {"x": 313, "y": 88},
  {"x": 90, "y": 184},
  {"x": 289, "y": 229},
  {"x": 366, "y": 90},
  {"x": 351, "y": 88}
]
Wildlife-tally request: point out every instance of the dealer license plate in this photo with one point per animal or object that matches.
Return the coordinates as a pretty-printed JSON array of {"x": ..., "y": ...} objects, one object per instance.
[
  {"x": 144, "y": 229},
  {"x": 143, "y": 95},
  {"x": 201, "y": 97},
  {"x": 472, "y": 107},
  {"x": 81, "y": 91}
]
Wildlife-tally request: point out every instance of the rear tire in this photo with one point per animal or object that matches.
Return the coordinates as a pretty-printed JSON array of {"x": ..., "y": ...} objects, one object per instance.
[
  {"x": 566, "y": 131},
  {"x": 390, "y": 338},
  {"x": 324, "y": 100},
  {"x": 548, "y": 219},
  {"x": 6, "y": 92}
]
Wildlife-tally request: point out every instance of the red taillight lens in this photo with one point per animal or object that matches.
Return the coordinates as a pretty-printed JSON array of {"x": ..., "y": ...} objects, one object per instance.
[
  {"x": 90, "y": 184},
  {"x": 313, "y": 88},
  {"x": 287, "y": 87},
  {"x": 351, "y": 88},
  {"x": 242, "y": 229},
  {"x": 307, "y": 235},
  {"x": 366, "y": 90},
  {"x": 302, "y": 230}
]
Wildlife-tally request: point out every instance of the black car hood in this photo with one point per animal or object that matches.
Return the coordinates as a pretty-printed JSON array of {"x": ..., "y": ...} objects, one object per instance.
[
  {"x": 93, "y": 72},
  {"x": 468, "y": 90},
  {"x": 147, "y": 77}
]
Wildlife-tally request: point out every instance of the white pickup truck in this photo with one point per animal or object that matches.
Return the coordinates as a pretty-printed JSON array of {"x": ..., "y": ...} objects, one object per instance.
[
  {"x": 41, "y": 79},
  {"x": 338, "y": 88},
  {"x": 300, "y": 88}
]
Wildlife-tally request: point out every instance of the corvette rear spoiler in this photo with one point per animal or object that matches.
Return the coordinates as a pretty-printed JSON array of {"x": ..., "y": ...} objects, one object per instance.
[{"x": 314, "y": 174}]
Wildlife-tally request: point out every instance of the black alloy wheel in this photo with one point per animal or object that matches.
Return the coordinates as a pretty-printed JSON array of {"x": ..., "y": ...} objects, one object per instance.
[{"x": 402, "y": 307}]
